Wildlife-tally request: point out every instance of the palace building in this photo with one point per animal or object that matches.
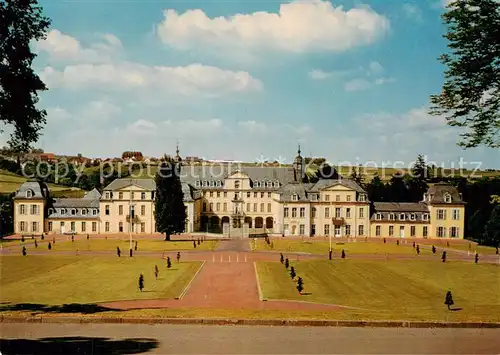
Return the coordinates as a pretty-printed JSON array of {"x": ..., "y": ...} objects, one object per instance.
[{"x": 245, "y": 200}]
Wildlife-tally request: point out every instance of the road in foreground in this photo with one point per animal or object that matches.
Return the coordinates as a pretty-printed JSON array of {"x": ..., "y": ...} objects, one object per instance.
[{"x": 118, "y": 339}]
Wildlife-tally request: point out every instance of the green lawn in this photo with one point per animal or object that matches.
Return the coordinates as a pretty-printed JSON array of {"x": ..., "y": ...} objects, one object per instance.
[
  {"x": 63, "y": 280},
  {"x": 99, "y": 244},
  {"x": 10, "y": 182},
  {"x": 481, "y": 249},
  {"x": 321, "y": 246},
  {"x": 404, "y": 290}
]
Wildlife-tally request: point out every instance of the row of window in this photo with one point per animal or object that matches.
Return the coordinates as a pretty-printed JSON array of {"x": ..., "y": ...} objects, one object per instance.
[
  {"x": 337, "y": 230},
  {"x": 73, "y": 226},
  {"x": 447, "y": 197},
  {"x": 121, "y": 210},
  {"x": 237, "y": 195},
  {"x": 109, "y": 195},
  {"x": 326, "y": 198},
  {"x": 224, "y": 207},
  {"x": 237, "y": 184},
  {"x": 33, "y": 209},
  {"x": 402, "y": 216},
  {"x": 23, "y": 227},
  {"x": 338, "y": 212},
  {"x": 75, "y": 211},
  {"x": 441, "y": 232},
  {"x": 441, "y": 214}
]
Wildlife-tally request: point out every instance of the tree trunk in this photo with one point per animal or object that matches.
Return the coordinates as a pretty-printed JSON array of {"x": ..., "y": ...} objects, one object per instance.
[{"x": 167, "y": 236}]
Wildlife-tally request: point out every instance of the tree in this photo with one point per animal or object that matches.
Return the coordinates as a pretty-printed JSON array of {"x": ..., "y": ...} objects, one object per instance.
[
  {"x": 443, "y": 257},
  {"x": 21, "y": 22},
  {"x": 170, "y": 213},
  {"x": 357, "y": 176},
  {"x": 491, "y": 235},
  {"x": 282, "y": 258},
  {"x": 376, "y": 189},
  {"x": 118, "y": 251},
  {"x": 300, "y": 285},
  {"x": 343, "y": 254},
  {"x": 292, "y": 272},
  {"x": 169, "y": 263},
  {"x": 287, "y": 263},
  {"x": 470, "y": 96},
  {"x": 141, "y": 282},
  {"x": 449, "y": 300}
]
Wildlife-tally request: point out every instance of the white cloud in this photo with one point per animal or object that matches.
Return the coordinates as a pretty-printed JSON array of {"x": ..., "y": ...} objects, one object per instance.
[
  {"x": 372, "y": 77},
  {"x": 445, "y": 3},
  {"x": 412, "y": 11},
  {"x": 57, "y": 114},
  {"x": 62, "y": 47},
  {"x": 375, "y": 68},
  {"x": 318, "y": 74},
  {"x": 189, "y": 80},
  {"x": 300, "y": 26},
  {"x": 253, "y": 126},
  {"x": 357, "y": 85}
]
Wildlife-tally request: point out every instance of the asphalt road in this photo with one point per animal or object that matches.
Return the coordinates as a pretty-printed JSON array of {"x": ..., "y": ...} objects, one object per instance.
[{"x": 21, "y": 339}]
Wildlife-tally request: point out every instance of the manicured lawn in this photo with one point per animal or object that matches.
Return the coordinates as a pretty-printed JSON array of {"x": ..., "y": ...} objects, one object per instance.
[
  {"x": 321, "y": 246},
  {"x": 99, "y": 244},
  {"x": 62, "y": 280},
  {"x": 481, "y": 249},
  {"x": 413, "y": 290},
  {"x": 10, "y": 182}
]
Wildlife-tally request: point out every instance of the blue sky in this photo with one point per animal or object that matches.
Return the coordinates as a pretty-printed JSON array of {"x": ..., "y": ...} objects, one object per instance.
[{"x": 349, "y": 80}]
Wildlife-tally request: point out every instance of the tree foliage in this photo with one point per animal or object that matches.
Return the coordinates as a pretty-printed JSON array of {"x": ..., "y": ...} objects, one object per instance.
[
  {"x": 170, "y": 213},
  {"x": 492, "y": 229},
  {"x": 21, "y": 21},
  {"x": 470, "y": 96}
]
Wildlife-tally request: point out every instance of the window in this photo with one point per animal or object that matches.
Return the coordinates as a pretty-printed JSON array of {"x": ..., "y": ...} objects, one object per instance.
[
  {"x": 425, "y": 217},
  {"x": 225, "y": 193},
  {"x": 197, "y": 183},
  {"x": 236, "y": 184},
  {"x": 295, "y": 197},
  {"x": 313, "y": 229},
  {"x": 402, "y": 216},
  {"x": 34, "y": 226},
  {"x": 211, "y": 194},
  {"x": 255, "y": 195},
  {"x": 217, "y": 206},
  {"x": 143, "y": 227},
  {"x": 377, "y": 231},
  {"x": 313, "y": 212},
  {"x": 413, "y": 217},
  {"x": 276, "y": 184},
  {"x": 348, "y": 229},
  {"x": 248, "y": 194},
  {"x": 120, "y": 195},
  {"x": 348, "y": 213},
  {"x": 302, "y": 229},
  {"x": 255, "y": 207},
  {"x": 337, "y": 198},
  {"x": 205, "y": 183},
  {"x": 34, "y": 209},
  {"x": 94, "y": 212},
  {"x": 94, "y": 226},
  {"x": 107, "y": 194},
  {"x": 338, "y": 212},
  {"x": 211, "y": 206},
  {"x": 454, "y": 232},
  {"x": 63, "y": 210},
  {"x": 106, "y": 210},
  {"x": 285, "y": 228},
  {"x": 143, "y": 210},
  {"x": 22, "y": 209},
  {"x": 337, "y": 231},
  {"x": 218, "y": 194},
  {"x": 313, "y": 197},
  {"x": 269, "y": 184},
  {"x": 440, "y": 232},
  {"x": 61, "y": 226},
  {"x": 327, "y": 229},
  {"x": 327, "y": 197},
  {"x": 84, "y": 227},
  {"x": 361, "y": 212},
  {"x": 204, "y": 206},
  {"x": 361, "y": 230},
  {"x": 120, "y": 227},
  {"x": 212, "y": 184},
  {"x": 22, "y": 226},
  {"x": 261, "y": 195},
  {"x": 424, "y": 231},
  {"x": 219, "y": 183},
  {"x": 327, "y": 212},
  {"x": 294, "y": 212},
  {"x": 268, "y": 207},
  {"x": 72, "y": 226},
  {"x": 348, "y": 198},
  {"x": 447, "y": 198},
  {"x": 29, "y": 193},
  {"x": 362, "y": 197},
  {"x": 391, "y": 231},
  {"x": 224, "y": 207},
  {"x": 391, "y": 216},
  {"x": 120, "y": 210},
  {"x": 378, "y": 216},
  {"x": 261, "y": 207},
  {"x": 143, "y": 195},
  {"x": 49, "y": 226},
  {"x": 412, "y": 231},
  {"x": 132, "y": 195},
  {"x": 441, "y": 214},
  {"x": 302, "y": 212},
  {"x": 456, "y": 214},
  {"x": 285, "y": 212},
  {"x": 268, "y": 195}
]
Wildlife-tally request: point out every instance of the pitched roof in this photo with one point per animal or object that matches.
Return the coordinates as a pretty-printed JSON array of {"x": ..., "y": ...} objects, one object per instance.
[
  {"x": 437, "y": 193},
  {"x": 146, "y": 184},
  {"x": 76, "y": 203},
  {"x": 325, "y": 183},
  {"x": 93, "y": 195},
  {"x": 400, "y": 207},
  {"x": 39, "y": 189}
]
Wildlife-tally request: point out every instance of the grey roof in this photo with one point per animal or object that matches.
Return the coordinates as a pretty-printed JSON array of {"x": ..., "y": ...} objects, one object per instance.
[
  {"x": 325, "y": 183},
  {"x": 400, "y": 207},
  {"x": 75, "y": 203},
  {"x": 93, "y": 195},
  {"x": 438, "y": 191},
  {"x": 39, "y": 189},
  {"x": 286, "y": 192},
  {"x": 147, "y": 184}
]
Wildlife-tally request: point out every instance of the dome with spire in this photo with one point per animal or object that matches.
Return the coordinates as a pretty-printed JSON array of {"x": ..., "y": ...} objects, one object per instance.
[{"x": 177, "y": 157}]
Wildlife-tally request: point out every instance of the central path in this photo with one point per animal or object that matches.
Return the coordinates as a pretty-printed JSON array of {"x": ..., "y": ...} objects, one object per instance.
[{"x": 224, "y": 285}]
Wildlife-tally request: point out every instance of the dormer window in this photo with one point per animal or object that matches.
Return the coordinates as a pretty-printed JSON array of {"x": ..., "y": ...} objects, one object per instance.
[
  {"x": 63, "y": 210},
  {"x": 425, "y": 217},
  {"x": 94, "y": 212},
  {"x": 197, "y": 183},
  {"x": 362, "y": 197},
  {"x": 50, "y": 211},
  {"x": 277, "y": 184},
  {"x": 73, "y": 211},
  {"x": 447, "y": 198},
  {"x": 107, "y": 195},
  {"x": 84, "y": 212},
  {"x": 313, "y": 197},
  {"x": 426, "y": 197},
  {"x": 29, "y": 194},
  {"x": 205, "y": 183},
  {"x": 120, "y": 195},
  {"x": 295, "y": 197},
  {"x": 391, "y": 216},
  {"x": 237, "y": 184},
  {"x": 402, "y": 216},
  {"x": 413, "y": 217},
  {"x": 219, "y": 183},
  {"x": 212, "y": 183},
  {"x": 378, "y": 216}
]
